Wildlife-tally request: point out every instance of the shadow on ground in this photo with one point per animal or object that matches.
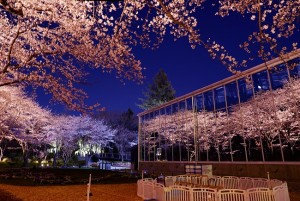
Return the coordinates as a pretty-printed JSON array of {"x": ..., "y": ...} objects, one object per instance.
[
  {"x": 6, "y": 196},
  {"x": 294, "y": 190}
]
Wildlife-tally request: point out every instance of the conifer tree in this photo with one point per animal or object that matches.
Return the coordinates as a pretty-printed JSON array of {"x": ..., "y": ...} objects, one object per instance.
[{"x": 159, "y": 92}]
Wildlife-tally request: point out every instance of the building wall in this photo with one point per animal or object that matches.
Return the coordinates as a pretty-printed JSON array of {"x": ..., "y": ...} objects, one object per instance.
[
  {"x": 181, "y": 129},
  {"x": 282, "y": 171},
  {"x": 158, "y": 128}
]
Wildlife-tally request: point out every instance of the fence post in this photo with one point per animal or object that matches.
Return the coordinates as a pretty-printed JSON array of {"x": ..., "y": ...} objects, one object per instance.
[
  {"x": 191, "y": 194},
  {"x": 88, "y": 193}
]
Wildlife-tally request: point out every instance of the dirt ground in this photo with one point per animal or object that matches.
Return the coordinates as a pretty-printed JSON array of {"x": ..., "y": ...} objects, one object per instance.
[
  {"x": 294, "y": 190},
  {"x": 100, "y": 192}
]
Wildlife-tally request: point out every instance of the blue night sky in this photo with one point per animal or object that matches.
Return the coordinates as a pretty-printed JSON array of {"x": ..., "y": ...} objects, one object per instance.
[{"x": 187, "y": 69}]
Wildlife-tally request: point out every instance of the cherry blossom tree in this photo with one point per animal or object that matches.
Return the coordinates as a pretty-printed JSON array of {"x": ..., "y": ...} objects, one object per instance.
[
  {"x": 79, "y": 135},
  {"x": 23, "y": 119},
  {"x": 287, "y": 100},
  {"x": 125, "y": 139},
  {"x": 266, "y": 127},
  {"x": 49, "y": 43},
  {"x": 32, "y": 120},
  {"x": 93, "y": 136}
]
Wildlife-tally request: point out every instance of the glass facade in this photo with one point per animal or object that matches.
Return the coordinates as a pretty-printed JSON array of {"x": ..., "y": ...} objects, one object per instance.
[
  {"x": 261, "y": 81},
  {"x": 254, "y": 117},
  {"x": 232, "y": 95}
]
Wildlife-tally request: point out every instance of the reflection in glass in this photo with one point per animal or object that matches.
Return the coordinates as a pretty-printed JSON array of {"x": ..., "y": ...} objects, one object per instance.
[
  {"x": 174, "y": 108},
  {"x": 189, "y": 104},
  {"x": 151, "y": 115},
  {"x": 245, "y": 90},
  {"x": 199, "y": 103},
  {"x": 162, "y": 111},
  {"x": 156, "y": 113},
  {"x": 169, "y": 110},
  {"x": 208, "y": 101},
  {"x": 279, "y": 76},
  {"x": 294, "y": 67},
  {"x": 260, "y": 81},
  {"x": 182, "y": 105},
  {"x": 219, "y": 98},
  {"x": 231, "y": 94},
  {"x": 207, "y": 129}
]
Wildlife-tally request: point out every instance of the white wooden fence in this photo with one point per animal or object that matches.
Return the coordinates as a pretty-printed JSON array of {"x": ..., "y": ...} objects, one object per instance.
[{"x": 232, "y": 189}]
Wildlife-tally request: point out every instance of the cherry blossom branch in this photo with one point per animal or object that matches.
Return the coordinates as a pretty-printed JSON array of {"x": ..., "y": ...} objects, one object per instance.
[
  {"x": 263, "y": 36},
  {"x": 10, "y": 9},
  {"x": 9, "y": 83},
  {"x": 10, "y": 51},
  {"x": 195, "y": 36}
]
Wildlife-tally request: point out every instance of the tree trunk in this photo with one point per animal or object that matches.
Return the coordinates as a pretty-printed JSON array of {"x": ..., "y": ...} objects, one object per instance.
[
  {"x": 231, "y": 153},
  {"x": 1, "y": 154},
  {"x": 25, "y": 160},
  {"x": 54, "y": 159},
  {"x": 25, "y": 153},
  {"x": 249, "y": 148},
  {"x": 218, "y": 151},
  {"x": 65, "y": 162},
  {"x": 262, "y": 148},
  {"x": 87, "y": 159},
  {"x": 272, "y": 149}
]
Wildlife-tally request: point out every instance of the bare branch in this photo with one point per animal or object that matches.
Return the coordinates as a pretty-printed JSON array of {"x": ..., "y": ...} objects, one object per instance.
[{"x": 10, "y": 9}]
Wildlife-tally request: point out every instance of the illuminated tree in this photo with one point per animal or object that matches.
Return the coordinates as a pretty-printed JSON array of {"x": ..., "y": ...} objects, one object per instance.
[
  {"x": 22, "y": 119},
  {"x": 80, "y": 135},
  {"x": 49, "y": 43},
  {"x": 266, "y": 127},
  {"x": 126, "y": 132}
]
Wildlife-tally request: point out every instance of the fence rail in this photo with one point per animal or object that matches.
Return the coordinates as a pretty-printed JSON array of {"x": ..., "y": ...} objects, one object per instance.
[{"x": 214, "y": 188}]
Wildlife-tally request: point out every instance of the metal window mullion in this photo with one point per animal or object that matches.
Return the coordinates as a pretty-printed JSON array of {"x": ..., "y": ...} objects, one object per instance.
[
  {"x": 288, "y": 72},
  {"x": 239, "y": 105},
  {"x": 253, "y": 90},
  {"x": 195, "y": 123},
  {"x": 139, "y": 143}
]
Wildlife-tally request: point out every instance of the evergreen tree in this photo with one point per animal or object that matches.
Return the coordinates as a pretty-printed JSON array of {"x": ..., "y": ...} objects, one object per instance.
[
  {"x": 128, "y": 120},
  {"x": 159, "y": 92}
]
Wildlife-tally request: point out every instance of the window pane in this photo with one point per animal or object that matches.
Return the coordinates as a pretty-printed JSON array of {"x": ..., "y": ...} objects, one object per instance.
[
  {"x": 143, "y": 118},
  {"x": 189, "y": 104},
  {"x": 231, "y": 94},
  {"x": 156, "y": 113},
  {"x": 199, "y": 102},
  {"x": 182, "y": 105},
  {"x": 208, "y": 101},
  {"x": 245, "y": 90},
  {"x": 174, "y": 108},
  {"x": 162, "y": 111},
  {"x": 151, "y": 115},
  {"x": 219, "y": 98},
  {"x": 294, "y": 66},
  {"x": 260, "y": 81},
  {"x": 279, "y": 76},
  {"x": 169, "y": 109}
]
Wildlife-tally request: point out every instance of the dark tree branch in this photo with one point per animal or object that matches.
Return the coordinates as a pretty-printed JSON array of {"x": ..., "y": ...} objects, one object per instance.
[
  {"x": 9, "y": 83},
  {"x": 10, "y": 9}
]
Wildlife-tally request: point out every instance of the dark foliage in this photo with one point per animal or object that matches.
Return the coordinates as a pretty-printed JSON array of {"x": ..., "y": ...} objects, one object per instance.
[{"x": 159, "y": 92}]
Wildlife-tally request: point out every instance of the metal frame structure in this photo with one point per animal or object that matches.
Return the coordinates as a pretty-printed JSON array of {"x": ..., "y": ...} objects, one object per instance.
[{"x": 221, "y": 96}]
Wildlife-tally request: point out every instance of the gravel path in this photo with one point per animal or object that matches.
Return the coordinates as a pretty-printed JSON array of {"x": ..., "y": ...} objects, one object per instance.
[{"x": 101, "y": 192}]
